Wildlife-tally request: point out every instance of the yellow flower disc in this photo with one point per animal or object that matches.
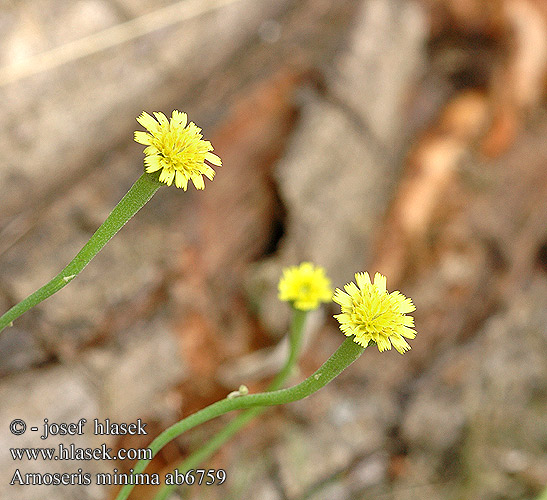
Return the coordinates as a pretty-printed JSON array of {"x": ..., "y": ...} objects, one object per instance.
[
  {"x": 305, "y": 286},
  {"x": 177, "y": 149},
  {"x": 371, "y": 313}
]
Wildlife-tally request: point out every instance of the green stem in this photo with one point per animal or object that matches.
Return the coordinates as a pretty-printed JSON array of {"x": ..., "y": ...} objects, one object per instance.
[
  {"x": 137, "y": 196},
  {"x": 346, "y": 354},
  {"x": 295, "y": 341}
]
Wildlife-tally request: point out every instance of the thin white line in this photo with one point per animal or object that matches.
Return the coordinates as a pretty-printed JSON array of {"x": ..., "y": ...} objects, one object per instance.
[{"x": 110, "y": 37}]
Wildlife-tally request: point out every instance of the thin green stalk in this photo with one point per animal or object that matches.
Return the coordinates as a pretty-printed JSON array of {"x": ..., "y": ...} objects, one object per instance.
[
  {"x": 346, "y": 354},
  {"x": 543, "y": 495},
  {"x": 295, "y": 343},
  {"x": 201, "y": 454},
  {"x": 137, "y": 196}
]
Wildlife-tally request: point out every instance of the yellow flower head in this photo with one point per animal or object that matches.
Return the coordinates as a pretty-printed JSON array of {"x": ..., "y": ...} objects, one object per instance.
[
  {"x": 177, "y": 149},
  {"x": 371, "y": 313},
  {"x": 305, "y": 286}
]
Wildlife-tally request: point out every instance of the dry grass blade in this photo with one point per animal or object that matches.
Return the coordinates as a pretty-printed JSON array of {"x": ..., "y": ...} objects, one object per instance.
[{"x": 110, "y": 37}]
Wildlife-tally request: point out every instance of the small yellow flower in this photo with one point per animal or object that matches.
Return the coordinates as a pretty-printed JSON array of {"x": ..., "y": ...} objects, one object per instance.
[
  {"x": 305, "y": 286},
  {"x": 371, "y": 313},
  {"x": 177, "y": 149}
]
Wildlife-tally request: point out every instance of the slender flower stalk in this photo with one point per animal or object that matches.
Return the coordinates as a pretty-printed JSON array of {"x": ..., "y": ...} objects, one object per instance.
[
  {"x": 175, "y": 151},
  {"x": 344, "y": 356},
  {"x": 542, "y": 495},
  {"x": 368, "y": 310},
  {"x": 295, "y": 338},
  {"x": 137, "y": 196}
]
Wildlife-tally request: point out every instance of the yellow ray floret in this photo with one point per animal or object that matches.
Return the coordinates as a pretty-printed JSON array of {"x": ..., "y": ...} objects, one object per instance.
[
  {"x": 177, "y": 149},
  {"x": 371, "y": 313},
  {"x": 304, "y": 286}
]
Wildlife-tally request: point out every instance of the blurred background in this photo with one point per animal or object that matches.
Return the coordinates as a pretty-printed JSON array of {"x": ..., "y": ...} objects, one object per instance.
[{"x": 400, "y": 136}]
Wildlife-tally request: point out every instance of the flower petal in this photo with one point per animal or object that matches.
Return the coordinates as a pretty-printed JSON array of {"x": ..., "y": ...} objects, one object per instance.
[
  {"x": 380, "y": 282},
  {"x": 400, "y": 344},
  {"x": 351, "y": 288},
  {"x": 153, "y": 163},
  {"x": 383, "y": 343},
  {"x": 143, "y": 138},
  {"x": 342, "y": 298},
  {"x": 180, "y": 180},
  {"x": 162, "y": 119},
  {"x": 198, "y": 181},
  {"x": 148, "y": 122},
  {"x": 362, "y": 279},
  {"x": 214, "y": 159},
  {"x": 208, "y": 172},
  {"x": 178, "y": 119}
]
